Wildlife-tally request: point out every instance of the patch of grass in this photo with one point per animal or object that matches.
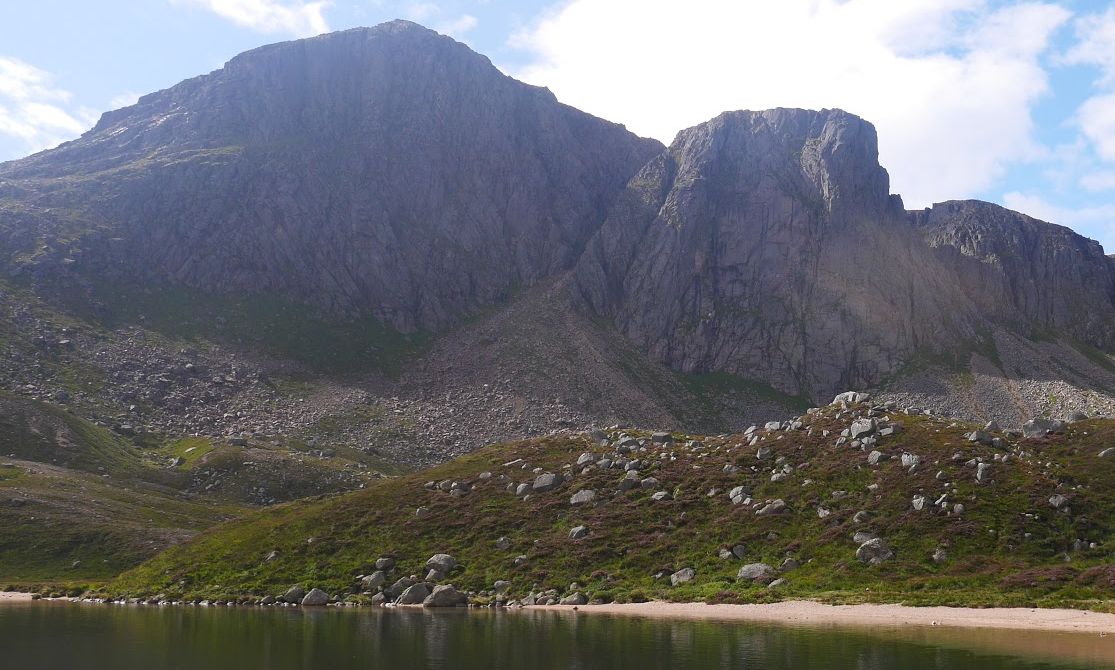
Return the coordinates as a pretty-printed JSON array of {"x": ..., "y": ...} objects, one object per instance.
[{"x": 278, "y": 326}]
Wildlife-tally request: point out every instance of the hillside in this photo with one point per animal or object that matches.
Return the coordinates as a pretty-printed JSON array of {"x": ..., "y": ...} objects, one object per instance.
[{"x": 846, "y": 503}]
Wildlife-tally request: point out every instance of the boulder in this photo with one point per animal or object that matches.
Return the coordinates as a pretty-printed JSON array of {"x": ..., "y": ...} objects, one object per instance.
[
  {"x": 422, "y": 512},
  {"x": 756, "y": 572},
  {"x": 578, "y": 532},
  {"x": 1040, "y": 427},
  {"x": 772, "y": 508},
  {"x": 586, "y": 458},
  {"x": 861, "y": 428},
  {"x": 582, "y": 497},
  {"x": 547, "y": 481},
  {"x": 294, "y": 594},
  {"x": 445, "y": 595},
  {"x": 502, "y": 586},
  {"x": 850, "y": 398},
  {"x": 874, "y": 551},
  {"x": 415, "y": 594},
  {"x": 683, "y": 576},
  {"x": 315, "y": 598},
  {"x": 385, "y": 563},
  {"x": 577, "y": 598},
  {"x": 983, "y": 473},
  {"x": 876, "y": 457},
  {"x": 662, "y": 496},
  {"x": 661, "y": 438},
  {"x": 738, "y": 495},
  {"x": 443, "y": 563},
  {"x": 1058, "y": 501},
  {"x": 374, "y": 580},
  {"x": 503, "y": 543}
]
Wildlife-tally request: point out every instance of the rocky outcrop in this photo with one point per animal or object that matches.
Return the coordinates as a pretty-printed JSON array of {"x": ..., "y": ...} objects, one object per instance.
[
  {"x": 1035, "y": 276},
  {"x": 388, "y": 171},
  {"x": 767, "y": 244}
]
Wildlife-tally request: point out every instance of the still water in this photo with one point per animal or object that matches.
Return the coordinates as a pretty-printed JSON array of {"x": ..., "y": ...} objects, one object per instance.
[{"x": 100, "y": 637}]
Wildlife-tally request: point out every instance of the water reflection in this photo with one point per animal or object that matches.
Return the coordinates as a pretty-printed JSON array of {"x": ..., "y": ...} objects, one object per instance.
[{"x": 61, "y": 635}]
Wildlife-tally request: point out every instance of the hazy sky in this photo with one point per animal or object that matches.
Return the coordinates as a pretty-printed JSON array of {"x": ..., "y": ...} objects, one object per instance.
[{"x": 1012, "y": 102}]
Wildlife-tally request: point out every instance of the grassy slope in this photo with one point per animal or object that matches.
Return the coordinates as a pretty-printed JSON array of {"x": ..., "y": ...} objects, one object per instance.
[
  {"x": 71, "y": 491},
  {"x": 327, "y": 542}
]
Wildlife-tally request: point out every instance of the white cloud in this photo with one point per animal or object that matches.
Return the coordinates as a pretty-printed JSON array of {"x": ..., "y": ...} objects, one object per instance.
[
  {"x": 1099, "y": 181},
  {"x": 458, "y": 26},
  {"x": 1095, "y": 46},
  {"x": 949, "y": 84},
  {"x": 296, "y": 17},
  {"x": 32, "y": 108},
  {"x": 1095, "y": 221}
]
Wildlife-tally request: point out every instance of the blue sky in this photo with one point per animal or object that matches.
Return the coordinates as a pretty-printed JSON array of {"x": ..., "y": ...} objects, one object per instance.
[{"x": 1007, "y": 101}]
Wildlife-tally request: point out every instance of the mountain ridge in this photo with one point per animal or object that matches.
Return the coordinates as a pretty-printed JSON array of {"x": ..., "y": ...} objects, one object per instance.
[{"x": 392, "y": 181}]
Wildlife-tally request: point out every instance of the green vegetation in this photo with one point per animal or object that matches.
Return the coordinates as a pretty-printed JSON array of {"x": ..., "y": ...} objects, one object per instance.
[
  {"x": 1008, "y": 547},
  {"x": 710, "y": 387},
  {"x": 280, "y": 327}
]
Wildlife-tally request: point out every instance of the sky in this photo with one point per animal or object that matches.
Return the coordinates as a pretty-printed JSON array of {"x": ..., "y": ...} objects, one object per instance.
[{"x": 1007, "y": 101}]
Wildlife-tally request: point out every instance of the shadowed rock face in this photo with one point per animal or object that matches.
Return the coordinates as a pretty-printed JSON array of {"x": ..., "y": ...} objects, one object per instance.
[
  {"x": 387, "y": 171},
  {"x": 1024, "y": 272},
  {"x": 767, "y": 244}
]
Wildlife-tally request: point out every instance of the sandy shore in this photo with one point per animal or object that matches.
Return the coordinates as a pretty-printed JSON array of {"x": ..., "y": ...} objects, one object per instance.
[
  {"x": 811, "y": 613},
  {"x": 10, "y": 596}
]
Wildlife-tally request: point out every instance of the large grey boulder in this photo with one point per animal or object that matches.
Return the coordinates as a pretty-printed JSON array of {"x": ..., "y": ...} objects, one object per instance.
[
  {"x": 1040, "y": 427},
  {"x": 756, "y": 572},
  {"x": 443, "y": 563},
  {"x": 861, "y": 427},
  {"x": 578, "y": 532},
  {"x": 683, "y": 576},
  {"x": 445, "y": 595},
  {"x": 576, "y": 598},
  {"x": 772, "y": 508},
  {"x": 315, "y": 598},
  {"x": 547, "y": 481},
  {"x": 582, "y": 497},
  {"x": 874, "y": 551},
  {"x": 414, "y": 595},
  {"x": 294, "y": 594},
  {"x": 374, "y": 580}
]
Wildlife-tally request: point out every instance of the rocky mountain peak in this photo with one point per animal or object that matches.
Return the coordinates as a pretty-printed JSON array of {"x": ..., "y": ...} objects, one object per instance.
[{"x": 388, "y": 172}]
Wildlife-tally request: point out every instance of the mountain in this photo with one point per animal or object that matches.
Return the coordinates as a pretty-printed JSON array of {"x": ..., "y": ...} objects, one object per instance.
[
  {"x": 373, "y": 246},
  {"x": 389, "y": 172}
]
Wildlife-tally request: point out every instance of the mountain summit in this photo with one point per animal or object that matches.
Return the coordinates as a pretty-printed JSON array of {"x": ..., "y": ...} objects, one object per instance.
[{"x": 388, "y": 171}]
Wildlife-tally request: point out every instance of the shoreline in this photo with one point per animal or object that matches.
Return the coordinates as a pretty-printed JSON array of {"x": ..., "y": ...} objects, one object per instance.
[
  {"x": 805, "y": 612},
  {"x": 14, "y": 596},
  {"x": 812, "y": 613}
]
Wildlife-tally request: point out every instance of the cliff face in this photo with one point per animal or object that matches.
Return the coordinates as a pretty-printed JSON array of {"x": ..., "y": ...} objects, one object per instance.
[
  {"x": 387, "y": 171},
  {"x": 767, "y": 244},
  {"x": 1024, "y": 272}
]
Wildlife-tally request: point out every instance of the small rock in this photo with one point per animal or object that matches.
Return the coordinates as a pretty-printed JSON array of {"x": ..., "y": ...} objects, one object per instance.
[{"x": 582, "y": 497}]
